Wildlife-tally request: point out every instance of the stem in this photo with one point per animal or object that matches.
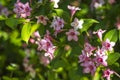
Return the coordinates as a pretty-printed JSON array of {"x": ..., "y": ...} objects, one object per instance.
[{"x": 116, "y": 74}]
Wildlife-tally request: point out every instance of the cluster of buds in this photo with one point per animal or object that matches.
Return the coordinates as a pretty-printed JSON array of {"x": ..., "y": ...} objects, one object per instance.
[
  {"x": 22, "y": 10},
  {"x": 94, "y": 57}
]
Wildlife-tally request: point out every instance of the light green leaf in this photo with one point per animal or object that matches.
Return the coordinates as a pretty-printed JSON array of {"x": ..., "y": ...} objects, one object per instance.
[
  {"x": 26, "y": 32},
  {"x": 87, "y": 24},
  {"x": 112, "y": 58},
  {"x": 112, "y": 35},
  {"x": 34, "y": 27}
]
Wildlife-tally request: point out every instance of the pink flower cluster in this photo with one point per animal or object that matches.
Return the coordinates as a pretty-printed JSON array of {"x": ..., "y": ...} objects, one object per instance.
[
  {"x": 44, "y": 45},
  {"x": 22, "y": 10},
  {"x": 57, "y": 24},
  {"x": 93, "y": 57}
]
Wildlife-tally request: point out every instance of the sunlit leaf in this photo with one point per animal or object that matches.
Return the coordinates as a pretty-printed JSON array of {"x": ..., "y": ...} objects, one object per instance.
[
  {"x": 87, "y": 24},
  {"x": 112, "y": 58},
  {"x": 26, "y": 32},
  {"x": 112, "y": 35}
]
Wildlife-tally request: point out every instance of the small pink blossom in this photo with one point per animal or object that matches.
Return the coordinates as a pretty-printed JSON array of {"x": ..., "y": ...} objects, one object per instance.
[
  {"x": 44, "y": 44},
  {"x": 22, "y": 10},
  {"x": 107, "y": 45},
  {"x": 36, "y": 34},
  {"x": 42, "y": 19},
  {"x": 31, "y": 40},
  {"x": 107, "y": 73},
  {"x": 101, "y": 60},
  {"x": 88, "y": 49},
  {"x": 89, "y": 67},
  {"x": 57, "y": 24},
  {"x": 100, "y": 52},
  {"x": 73, "y": 9},
  {"x": 83, "y": 57},
  {"x": 50, "y": 52},
  {"x": 77, "y": 24},
  {"x": 96, "y": 3},
  {"x": 99, "y": 33},
  {"x": 44, "y": 60},
  {"x": 72, "y": 35},
  {"x": 111, "y": 1}
]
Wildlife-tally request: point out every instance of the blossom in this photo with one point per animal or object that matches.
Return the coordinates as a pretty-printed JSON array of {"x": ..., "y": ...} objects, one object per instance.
[
  {"x": 73, "y": 9},
  {"x": 101, "y": 60},
  {"x": 57, "y": 24},
  {"x": 96, "y": 3},
  {"x": 36, "y": 34},
  {"x": 107, "y": 73},
  {"x": 55, "y": 3},
  {"x": 72, "y": 35},
  {"x": 111, "y": 1},
  {"x": 88, "y": 49},
  {"x": 77, "y": 24},
  {"x": 44, "y": 44},
  {"x": 99, "y": 33},
  {"x": 50, "y": 52},
  {"x": 83, "y": 57},
  {"x": 44, "y": 60},
  {"x": 42, "y": 19},
  {"x": 22, "y": 10},
  {"x": 107, "y": 45},
  {"x": 89, "y": 67},
  {"x": 100, "y": 52}
]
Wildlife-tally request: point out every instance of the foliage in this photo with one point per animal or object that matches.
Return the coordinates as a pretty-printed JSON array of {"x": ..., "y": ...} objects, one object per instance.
[{"x": 42, "y": 41}]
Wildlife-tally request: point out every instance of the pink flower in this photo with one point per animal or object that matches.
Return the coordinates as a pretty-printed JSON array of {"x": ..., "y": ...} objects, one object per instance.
[
  {"x": 36, "y": 34},
  {"x": 44, "y": 44},
  {"x": 57, "y": 24},
  {"x": 50, "y": 52},
  {"x": 107, "y": 45},
  {"x": 42, "y": 19},
  {"x": 83, "y": 57},
  {"x": 107, "y": 73},
  {"x": 72, "y": 35},
  {"x": 73, "y": 9},
  {"x": 111, "y": 1},
  {"x": 101, "y": 60},
  {"x": 22, "y": 10},
  {"x": 88, "y": 49},
  {"x": 44, "y": 60},
  {"x": 89, "y": 67},
  {"x": 99, "y": 33},
  {"x": 77, "y": 24},
  {"x": 100, "y": 52}
]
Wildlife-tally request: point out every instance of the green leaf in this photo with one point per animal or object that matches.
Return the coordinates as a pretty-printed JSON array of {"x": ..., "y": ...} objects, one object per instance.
[
  {"x": 119, "y": 35},
  {"x": 26, "y": 32},
  {"x": 13, "y": 22},
  {"x": 34, "y": 27},
  {"x": 112, "y": 35},
  {"x": 112, "y": 58},
  {"x": 87, "y": 24}
]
